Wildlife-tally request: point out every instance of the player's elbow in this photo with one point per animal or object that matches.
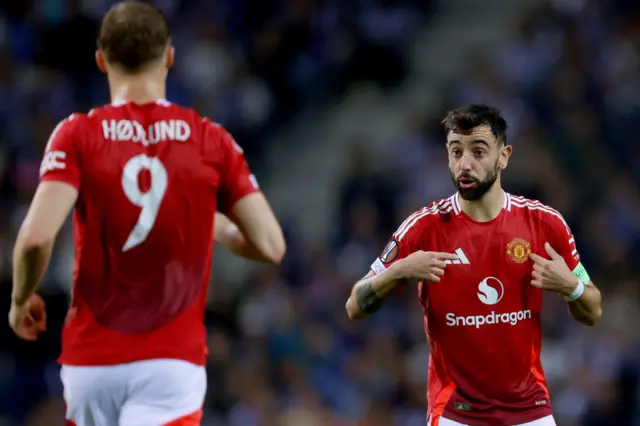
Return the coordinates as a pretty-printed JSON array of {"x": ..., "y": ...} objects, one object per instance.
[
  {"x": 257, "y": 221},
  {"x": 595, "y": 309},
  {"x": 594, "y": 317},
  {"x": 588, "y": 318},
  {"x": 279, "y": 251},
  {"x": 353, "y": 311},
  {"x": 273, "y": 250},
  {"x": 30, "y": 241},
  {"x": 270, "y": 243},
  {"x": 588, "y": 321}
]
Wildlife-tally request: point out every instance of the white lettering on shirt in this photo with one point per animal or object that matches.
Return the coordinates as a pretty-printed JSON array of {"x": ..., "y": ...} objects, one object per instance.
[
  {"x": 133, "y": 131},
  {"x": 53, "y": 160}
]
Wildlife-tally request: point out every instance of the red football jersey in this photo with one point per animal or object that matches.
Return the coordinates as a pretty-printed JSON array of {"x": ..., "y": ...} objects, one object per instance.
[
  {"x": 150, "y": 178},
  {"x": 482, "y": 319}
]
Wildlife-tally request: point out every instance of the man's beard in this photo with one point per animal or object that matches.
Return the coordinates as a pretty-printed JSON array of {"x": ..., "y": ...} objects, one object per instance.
[{"x": 481, "y": 186}]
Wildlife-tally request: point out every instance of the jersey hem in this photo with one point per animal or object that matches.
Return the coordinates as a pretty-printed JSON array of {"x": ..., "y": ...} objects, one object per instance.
[
  {"x": 499, "y": 416},
  {"x": 101, "y": 361}
]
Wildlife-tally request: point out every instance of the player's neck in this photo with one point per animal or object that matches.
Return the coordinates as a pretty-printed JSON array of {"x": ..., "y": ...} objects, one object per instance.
[
  {"x": 486, "y": 208},
  {"x": 140, "y": 88}
]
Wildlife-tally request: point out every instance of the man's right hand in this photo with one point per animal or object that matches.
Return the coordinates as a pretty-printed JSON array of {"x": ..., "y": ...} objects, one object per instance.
[
  {"x": 29, "y": 319},
  {"x": 424, "y": 265}
]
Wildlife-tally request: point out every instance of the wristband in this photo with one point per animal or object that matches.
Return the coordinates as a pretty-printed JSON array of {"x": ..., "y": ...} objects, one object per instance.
[{"x": 575, "y": 294}]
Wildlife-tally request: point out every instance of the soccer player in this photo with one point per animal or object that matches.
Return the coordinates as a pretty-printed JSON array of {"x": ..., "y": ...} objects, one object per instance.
[
  {"x": 481, "y": 259},
  {"x": 144, "y": 178}
]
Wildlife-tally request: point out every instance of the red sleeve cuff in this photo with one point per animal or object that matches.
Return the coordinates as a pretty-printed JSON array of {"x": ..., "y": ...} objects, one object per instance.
[
  {"x": 59, "y": 177},
  {"x": 227, "y": 203}
]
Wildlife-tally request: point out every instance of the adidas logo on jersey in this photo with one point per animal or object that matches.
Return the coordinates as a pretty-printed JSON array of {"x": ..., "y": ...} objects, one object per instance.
[{"x": 462, "y": 258}]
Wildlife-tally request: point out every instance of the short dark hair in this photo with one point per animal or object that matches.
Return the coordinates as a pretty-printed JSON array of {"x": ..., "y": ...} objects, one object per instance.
[
  {"x": 133, "y": 34},
  {"x": 466, "y": 118}
]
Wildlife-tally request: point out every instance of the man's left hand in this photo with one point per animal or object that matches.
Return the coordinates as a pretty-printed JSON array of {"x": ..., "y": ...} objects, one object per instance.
[{"x": 552, "y": 274}]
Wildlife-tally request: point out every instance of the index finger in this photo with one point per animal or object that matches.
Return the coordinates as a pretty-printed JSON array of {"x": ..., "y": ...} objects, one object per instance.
[
  {"x": 536, "y": 258},
  {"x": 446, "y": 256}
]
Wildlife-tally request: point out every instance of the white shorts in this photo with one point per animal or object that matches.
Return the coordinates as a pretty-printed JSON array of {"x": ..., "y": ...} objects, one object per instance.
[
  {"x": 545, "y": 421},
  {"x": 158, "y": 392}
]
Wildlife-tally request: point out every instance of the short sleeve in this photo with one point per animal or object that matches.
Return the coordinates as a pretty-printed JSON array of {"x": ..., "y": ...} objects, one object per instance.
[
  {"x": 563, "y": 241},
  {"x": 61, "y": 156},
  {"x": 402, "y": 243},
  {"x": 237, "y": 181}
]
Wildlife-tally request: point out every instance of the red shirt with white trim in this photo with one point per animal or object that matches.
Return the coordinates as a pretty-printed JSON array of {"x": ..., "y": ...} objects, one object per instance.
[
  {"x": 150, "y": 178},
  {"x": 482, "y": 319}
]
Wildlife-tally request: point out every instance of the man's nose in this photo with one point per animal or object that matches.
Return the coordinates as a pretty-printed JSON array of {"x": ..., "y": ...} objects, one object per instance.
[{"x": 465, "y": 162}]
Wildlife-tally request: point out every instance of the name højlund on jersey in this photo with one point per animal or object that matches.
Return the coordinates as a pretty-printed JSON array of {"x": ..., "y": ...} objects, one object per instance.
[{"x": 133, "y": 131}]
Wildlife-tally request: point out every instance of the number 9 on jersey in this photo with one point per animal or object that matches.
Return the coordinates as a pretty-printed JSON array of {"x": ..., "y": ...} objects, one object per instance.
[{"x": 149, "y": 201}]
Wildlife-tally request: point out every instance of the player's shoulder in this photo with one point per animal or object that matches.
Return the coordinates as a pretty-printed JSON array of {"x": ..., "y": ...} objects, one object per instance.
[
  {"x": 426, "y": 217},
  {"x": 73, "y": 121},
  {"x": 180, "y": 111},
  {"x": 69, "y": 127},
  {"x": 213, "y": 127},
  {"x": 218, "y": 136},
  {"x": 536, "y": 210}
]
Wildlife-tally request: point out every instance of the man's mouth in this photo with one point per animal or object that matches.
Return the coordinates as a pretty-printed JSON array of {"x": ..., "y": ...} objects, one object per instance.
[{"x": 466, "y": 183}]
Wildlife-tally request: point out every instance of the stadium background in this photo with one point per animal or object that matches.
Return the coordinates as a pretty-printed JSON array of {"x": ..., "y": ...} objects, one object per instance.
[{"x": 337, "y": 104}]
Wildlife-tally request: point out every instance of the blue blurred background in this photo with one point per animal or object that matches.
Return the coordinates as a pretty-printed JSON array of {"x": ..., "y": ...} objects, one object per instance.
[{"x": 337, "y": 104}]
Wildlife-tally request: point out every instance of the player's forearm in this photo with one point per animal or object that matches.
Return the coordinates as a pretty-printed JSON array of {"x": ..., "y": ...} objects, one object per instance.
[
  {"x": 588, "y": 308},
  {"x": 370, "y": 293},
  {"x": 50, "y": 207},
  {"x": 258, "y": 224},
  {"x": 229, "y": 235},
  {"x": 243, "y": 248},
  {"x": 30, "y": 260},
  {"x": 237, "y": 244}
]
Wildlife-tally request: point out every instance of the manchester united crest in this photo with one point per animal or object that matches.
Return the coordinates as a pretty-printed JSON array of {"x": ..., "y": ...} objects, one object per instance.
[{"x": 519, "y": 250}]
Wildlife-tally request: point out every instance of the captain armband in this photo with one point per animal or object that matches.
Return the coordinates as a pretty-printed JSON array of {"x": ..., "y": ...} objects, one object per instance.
[{"x": 581, "y": 273}]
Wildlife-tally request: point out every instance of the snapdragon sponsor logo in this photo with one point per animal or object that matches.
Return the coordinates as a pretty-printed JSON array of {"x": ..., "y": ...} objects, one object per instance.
[
  {"x": 490, "y": 292},
  {"x": 478, "y": 321}
]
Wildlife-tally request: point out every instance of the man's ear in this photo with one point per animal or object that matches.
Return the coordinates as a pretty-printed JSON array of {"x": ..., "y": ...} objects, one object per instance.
[
  {"x": 101, "y": 62},
  {"x": 505, "y": 154},
  {"x": 170, "y": 57}
]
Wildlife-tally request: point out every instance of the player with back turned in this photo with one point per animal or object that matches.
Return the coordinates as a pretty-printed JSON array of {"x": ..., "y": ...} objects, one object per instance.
[
  {"x": 482, "y": 258},
  {"x": 145, "y": 178}
]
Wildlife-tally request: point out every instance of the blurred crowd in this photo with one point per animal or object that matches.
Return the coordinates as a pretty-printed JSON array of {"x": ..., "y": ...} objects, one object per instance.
[
  {"x": 250, "y": 64},
  {"x": 282, "y": 350}
]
